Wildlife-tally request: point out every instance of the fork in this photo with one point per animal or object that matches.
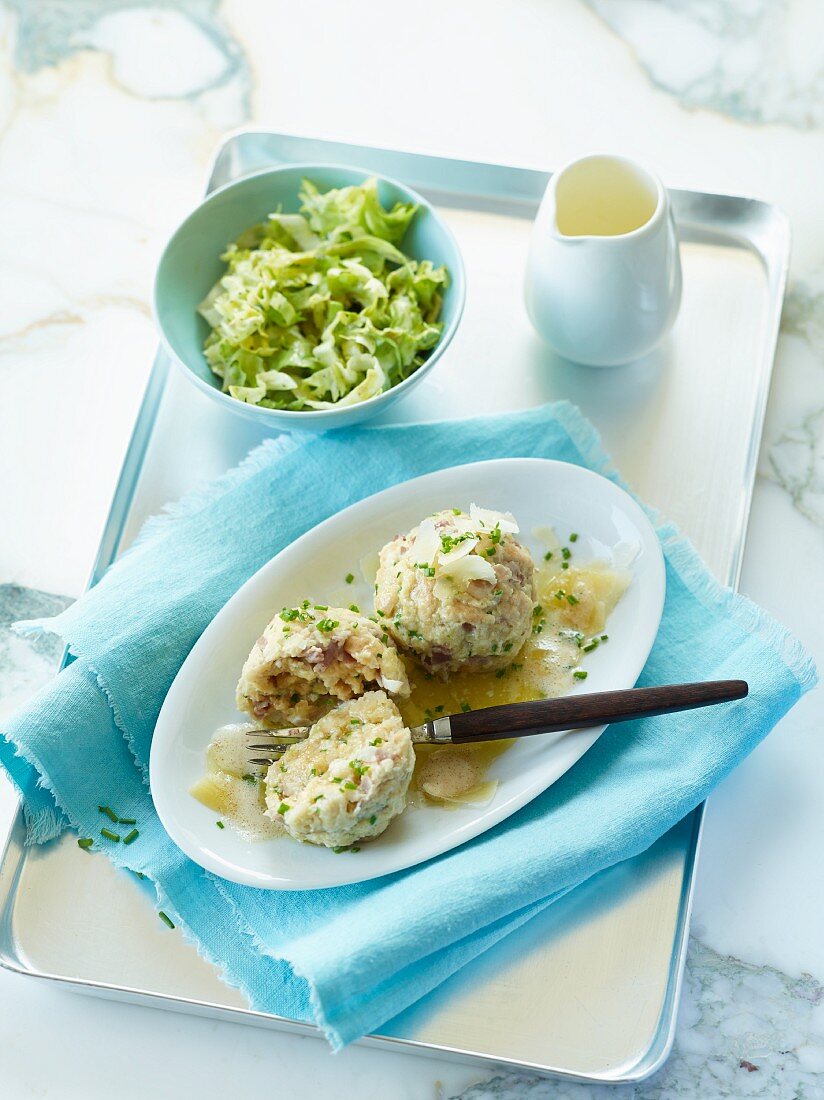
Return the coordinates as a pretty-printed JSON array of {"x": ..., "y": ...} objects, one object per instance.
[{"x": 541, "y": 716}]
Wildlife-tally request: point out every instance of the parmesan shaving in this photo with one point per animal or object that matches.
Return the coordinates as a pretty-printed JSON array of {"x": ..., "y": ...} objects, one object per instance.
[
  {"x": 394, "y": 687},
  {"x": 427, "y": 543},
  {"x": 488, "y": 519},
  {"x": 369, "y": 566},
  {"x": 471, "y": 568},
  {"x": 458, "y": 552}
]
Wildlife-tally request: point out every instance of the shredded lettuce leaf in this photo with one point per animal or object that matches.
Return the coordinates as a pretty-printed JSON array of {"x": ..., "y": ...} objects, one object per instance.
[{"x": 322, "y": 309}]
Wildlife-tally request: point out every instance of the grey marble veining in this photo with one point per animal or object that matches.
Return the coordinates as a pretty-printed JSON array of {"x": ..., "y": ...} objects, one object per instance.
[
  {"x": 25, "y": 663},
  {"x": 49, "y": 31},
  {"x": 797, "y": 464},
  {"x": 743, "y": 1031},
  {"x": 803, "y": 313},
  {"x": 737, "y": 57},
  {"x": 796, "y": 458}
]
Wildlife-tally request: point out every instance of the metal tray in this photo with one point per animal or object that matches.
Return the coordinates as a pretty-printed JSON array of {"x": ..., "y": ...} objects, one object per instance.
[{"x": 588, "y": 990}]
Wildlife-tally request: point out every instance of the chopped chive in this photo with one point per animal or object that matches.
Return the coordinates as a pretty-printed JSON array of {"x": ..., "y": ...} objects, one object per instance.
[
  {"x": 573, "y": 537},
  {"x": 506, "y": 647},
  {"x": 249, "y": 778},
  {"x": 548, "y": 556},
  {"x": 321, "y": 607},
  {"x": 565, "y": 565},
  {"x": 439, "y": 710},
  {"x": 166, "y": 919},
  {"x": 85, "y": 842},
  {"x": 129, "y": 837},
  {"x": 349, "y": 578},
  {"x": 350, "y": 786},
  {"x": 466, "y": 708},
  {"x": 109, "y": 835},
  {"x": 377, "y": 741},
  {"x": 572, "y": 600},
  {"x": 354, "y": 607},
  {"x": 109, "y": 812},
  {"x": 340, "y": 848},
  {"x": 588, "y": 648},
  {"x": 220, "y": 825},
  {"x": 605, "y": 637},
  {"x": 373, "y": 819},
  {"x": 283, "y": 807},
  {"x": 580, "y": 674},
  {"x": 355, "y": 849},
  {"x": 566, "y": 553},
  {"x": 127, "y": 820}
]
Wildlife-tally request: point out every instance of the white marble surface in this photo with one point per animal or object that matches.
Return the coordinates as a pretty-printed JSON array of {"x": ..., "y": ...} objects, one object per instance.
[{"x": 109, "y": 112}]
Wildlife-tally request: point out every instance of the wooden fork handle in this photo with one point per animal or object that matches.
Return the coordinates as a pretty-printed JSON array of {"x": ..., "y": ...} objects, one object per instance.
[{"x": 597, "y": 709}]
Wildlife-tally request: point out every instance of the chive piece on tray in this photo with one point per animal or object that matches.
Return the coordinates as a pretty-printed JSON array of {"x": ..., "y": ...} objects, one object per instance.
[
  {"x": 129, "y": 837},
  {"x": 220, "y": 825},
  {"x": 350, "y": 577},
  {"x": 109, "y": 812},
  {"x": 84, "y": 842},
  {"x": 580, "y": 674},
  {"x": 127, "y": 821},
  {"x": 166, "y": 919},
  {"x": 109, "y": 835}
]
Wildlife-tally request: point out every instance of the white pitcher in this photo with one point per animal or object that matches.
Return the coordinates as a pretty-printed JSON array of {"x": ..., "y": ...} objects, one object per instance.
[{"x": 603, "y": 279}]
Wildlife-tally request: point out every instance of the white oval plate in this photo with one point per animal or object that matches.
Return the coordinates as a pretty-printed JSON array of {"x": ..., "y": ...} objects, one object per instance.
[{"x": 540, "y": 493}]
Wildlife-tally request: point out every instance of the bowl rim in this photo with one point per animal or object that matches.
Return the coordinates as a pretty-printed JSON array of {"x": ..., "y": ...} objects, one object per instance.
[{"x": 457, "y": 285}]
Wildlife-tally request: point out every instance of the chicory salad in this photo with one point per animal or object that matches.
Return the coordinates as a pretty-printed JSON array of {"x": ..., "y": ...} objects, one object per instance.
[{"x": 322, "y": 309}]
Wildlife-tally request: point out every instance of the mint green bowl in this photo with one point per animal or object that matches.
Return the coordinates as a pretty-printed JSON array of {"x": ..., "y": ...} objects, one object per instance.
[{"x": 191, "y": 265}]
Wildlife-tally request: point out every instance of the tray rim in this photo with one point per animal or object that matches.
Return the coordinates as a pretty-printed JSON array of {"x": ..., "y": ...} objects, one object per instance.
[{"x": 776, "y": 266}]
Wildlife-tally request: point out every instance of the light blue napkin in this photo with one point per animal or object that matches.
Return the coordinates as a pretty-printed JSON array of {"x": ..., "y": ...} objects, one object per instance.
[{"x": 353, "y": 958}]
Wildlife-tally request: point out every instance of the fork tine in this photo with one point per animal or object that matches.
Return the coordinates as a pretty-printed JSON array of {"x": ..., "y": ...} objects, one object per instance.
[
  {"x": 279, "y": 749},
  {"x": 298, "y": 733}
]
